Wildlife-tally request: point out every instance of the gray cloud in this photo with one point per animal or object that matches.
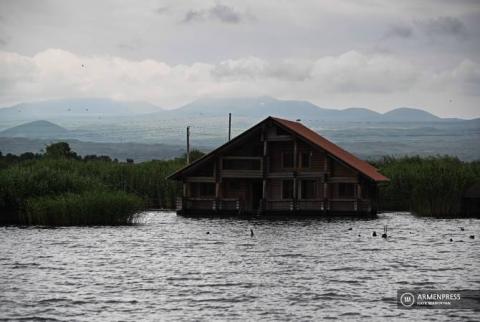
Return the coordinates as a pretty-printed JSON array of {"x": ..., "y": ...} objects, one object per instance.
[
  {"x": 190, "y": 48},
  {"x": 443, "y": 26},
  {"x": 126, "y": 46},
  {"x": 399, "y": 31},
  {"x": 219, "y": 12},
  {"x": 192, "y": 16},
  {"x": 256, "y": 68},
  {"x": 225, "y": 14},
  {"x": 162, "y": 10},
  {"x": 3, "y": 42}
]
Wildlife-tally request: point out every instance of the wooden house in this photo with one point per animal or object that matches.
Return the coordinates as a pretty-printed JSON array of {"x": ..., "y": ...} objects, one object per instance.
[{"x": 278, "y": 167}]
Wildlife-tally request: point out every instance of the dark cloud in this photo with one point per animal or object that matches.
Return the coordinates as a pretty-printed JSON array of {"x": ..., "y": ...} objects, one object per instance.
[
  {"x": 443, "y": 26},
  {"x": 192, "y": 16},
  {"x": 162, "y": 10},
  {"x": 219, "y": 12},
  {"x": 399, "y": 31},
  {"x": 225, "y": 14}
]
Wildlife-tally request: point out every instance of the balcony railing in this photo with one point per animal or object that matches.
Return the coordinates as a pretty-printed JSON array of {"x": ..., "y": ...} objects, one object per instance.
[
  {"x": 341, "y": 205},
  {"x": 208, "y": 204},
  {"x": 290, "y": 204}
]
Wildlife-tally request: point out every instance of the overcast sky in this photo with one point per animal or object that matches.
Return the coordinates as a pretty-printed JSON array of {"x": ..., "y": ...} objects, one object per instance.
[{"x": 337, "y": 54}]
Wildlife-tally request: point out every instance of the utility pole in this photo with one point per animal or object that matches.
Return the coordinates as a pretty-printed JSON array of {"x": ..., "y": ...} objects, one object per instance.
[
  {"x": 229, "y": 126},
  {"x": 188, "y": 144}
]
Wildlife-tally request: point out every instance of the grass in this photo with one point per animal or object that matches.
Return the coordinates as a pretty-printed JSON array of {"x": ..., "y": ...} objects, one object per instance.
[
  {"x": 431, "y": 186},
  {"x": 87, "y": 208},
  {"x": 61, "y": 188}
]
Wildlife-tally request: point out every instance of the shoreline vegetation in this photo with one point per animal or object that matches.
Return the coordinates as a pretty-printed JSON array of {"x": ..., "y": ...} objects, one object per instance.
[
  {"x": 60, "y": 188},
  {"x": 428, "y": 186}
]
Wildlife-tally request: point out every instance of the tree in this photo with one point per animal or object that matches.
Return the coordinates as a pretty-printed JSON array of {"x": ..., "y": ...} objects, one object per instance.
[
  {"x": 60, "y": 150},
  {"x": 194, "y": 155}
]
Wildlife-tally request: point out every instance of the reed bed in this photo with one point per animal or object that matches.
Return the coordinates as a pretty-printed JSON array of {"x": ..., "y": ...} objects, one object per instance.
[
  {"x": 429, "y": 186},
  {"x": 87, "y": 208}
]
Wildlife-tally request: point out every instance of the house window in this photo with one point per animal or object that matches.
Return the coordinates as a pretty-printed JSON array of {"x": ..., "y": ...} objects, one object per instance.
[
  {"x": 345, "y": 190},
  {"x": 287, "y": 160},
  {"x": 287, "y": 189},
  {"x": 305, "y": 159},
  {"x": 206, "y": 190},
  {"x": 241, "y": 164},
  {"x": 308, "y": 189}
]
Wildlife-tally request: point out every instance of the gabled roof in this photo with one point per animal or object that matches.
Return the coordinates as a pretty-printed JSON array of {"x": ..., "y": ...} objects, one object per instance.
[
  {"x": 332, "y": 149},
  {"x": 308, "y": 135}
]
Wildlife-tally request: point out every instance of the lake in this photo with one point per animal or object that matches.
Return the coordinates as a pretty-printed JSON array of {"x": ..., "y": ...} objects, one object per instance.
[{"x": 174, "y": 268}]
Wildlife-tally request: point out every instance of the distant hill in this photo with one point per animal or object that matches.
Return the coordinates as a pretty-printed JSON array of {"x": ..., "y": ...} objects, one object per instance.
[
  {"x": 75, "y": 107},
  {"x": 259, "y": 107},
  {"x": 406, "y": 114},
  {"x": 107, "y": 110},
  {"x": 121, "y": 151},
  {"x": 36, "y": 129}
]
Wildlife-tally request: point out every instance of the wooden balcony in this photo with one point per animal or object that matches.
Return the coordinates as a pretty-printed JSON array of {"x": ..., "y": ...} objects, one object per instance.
[
  {"x": 282, "y": 205},
  {"x": 290, "y": 204}
]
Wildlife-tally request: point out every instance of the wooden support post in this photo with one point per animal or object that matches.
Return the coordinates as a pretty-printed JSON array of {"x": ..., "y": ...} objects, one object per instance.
[
  {"x": 358, "y": 195},
  {"x": 326, "y": 205},
  {"x": 216, "y": 173},
  {"x": 188, "y": 144},
  {"x": 184, "y": 195},
  {"x": 264, "y": 167},
  {"x": 184, "y": 190},
  {"x": 295, "y": 170},
  {"x": 229, "y": 126}
]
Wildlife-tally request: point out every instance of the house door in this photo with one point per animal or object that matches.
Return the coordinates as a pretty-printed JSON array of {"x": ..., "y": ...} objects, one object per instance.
[{"x": 256, "y": 189}]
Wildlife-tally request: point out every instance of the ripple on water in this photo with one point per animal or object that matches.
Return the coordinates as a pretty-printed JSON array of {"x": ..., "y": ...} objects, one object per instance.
[{"x": 291, "y": 270}]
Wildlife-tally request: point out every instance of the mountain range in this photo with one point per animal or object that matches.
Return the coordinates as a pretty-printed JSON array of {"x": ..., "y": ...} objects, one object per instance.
[
  {"x": 143, "y": 131},
  {"x": 253, "y": 107},
  {"x": 259, "y": 107},
  {"x": 76, "y": 107}
]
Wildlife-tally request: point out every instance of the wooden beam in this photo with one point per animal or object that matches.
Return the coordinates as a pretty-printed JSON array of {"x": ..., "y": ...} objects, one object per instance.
[
  {"x": 217, "y": 177},
  {"x": 241, "y": 158},
  {"x": 325, "y": 183},
  {"x": 264, "y": 165},
  {"x": 295, "y": 169},
  {"x": 242, "y": 174},
  {"x": 199, "y": 179},
  {"x": 343, "y": 179},
  {"x": 184, "y": 189}
]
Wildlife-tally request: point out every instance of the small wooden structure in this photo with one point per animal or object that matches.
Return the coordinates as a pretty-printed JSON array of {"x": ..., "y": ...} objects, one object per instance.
[{"x": 278, "y": 167}]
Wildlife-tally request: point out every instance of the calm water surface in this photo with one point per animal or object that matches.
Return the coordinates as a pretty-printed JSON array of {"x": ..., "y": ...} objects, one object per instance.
[{"x": 168, "y": 267}]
